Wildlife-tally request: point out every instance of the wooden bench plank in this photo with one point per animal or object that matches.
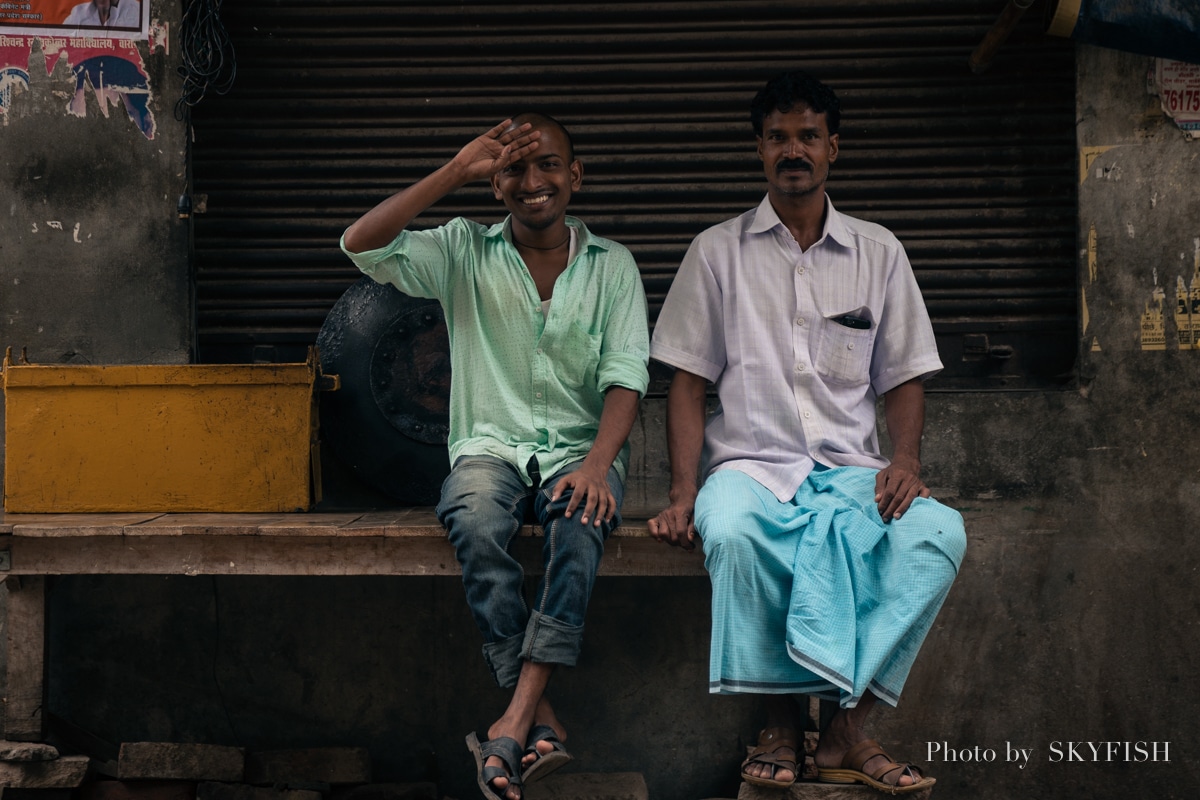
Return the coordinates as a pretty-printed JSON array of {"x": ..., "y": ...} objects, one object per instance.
[{"x": 406, "y": 541}]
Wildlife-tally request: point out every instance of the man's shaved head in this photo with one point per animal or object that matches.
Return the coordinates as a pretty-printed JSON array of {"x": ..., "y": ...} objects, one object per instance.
[{"x": 544, "y": 121}]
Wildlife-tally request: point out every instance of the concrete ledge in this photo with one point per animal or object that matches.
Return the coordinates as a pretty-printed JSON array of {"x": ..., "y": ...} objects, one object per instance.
[{"x": 401, "y": 542}]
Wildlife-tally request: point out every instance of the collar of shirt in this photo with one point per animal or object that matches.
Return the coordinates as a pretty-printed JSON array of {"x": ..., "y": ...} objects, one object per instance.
[
  {"x": 767, "y": 219},
  {"x": 503, "y": 230}
]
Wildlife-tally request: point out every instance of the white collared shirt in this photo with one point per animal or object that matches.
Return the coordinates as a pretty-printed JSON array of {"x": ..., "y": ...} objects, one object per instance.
[
  {"x": 752, "y": 313},
  {"x": 126, "y": 15}
]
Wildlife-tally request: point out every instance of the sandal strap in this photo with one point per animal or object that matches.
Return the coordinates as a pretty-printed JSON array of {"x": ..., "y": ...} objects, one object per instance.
[
  {"x": 509, "y": 751},
  {"x": 858, "y": 755},
  {"x": 542, "y": 733},
  {"x": 861, "y": 753}
]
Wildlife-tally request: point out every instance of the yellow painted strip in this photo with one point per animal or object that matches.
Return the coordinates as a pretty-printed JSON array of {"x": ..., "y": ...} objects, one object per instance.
[
  {"x": 156, "y": 375},
  {"x": 1066, "y": 14}
]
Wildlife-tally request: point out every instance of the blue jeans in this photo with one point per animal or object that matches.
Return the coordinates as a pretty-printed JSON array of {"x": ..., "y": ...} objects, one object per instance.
[{"x": 483, "y": 506}]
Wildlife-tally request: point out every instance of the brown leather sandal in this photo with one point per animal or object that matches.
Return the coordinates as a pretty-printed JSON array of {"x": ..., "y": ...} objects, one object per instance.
[
  {"x": 770, "y": 742},
  {"x": 860, "y": 754}
]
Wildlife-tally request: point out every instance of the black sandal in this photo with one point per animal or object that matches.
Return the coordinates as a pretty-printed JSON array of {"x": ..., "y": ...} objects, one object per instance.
[{"x": 507, "y": 750}]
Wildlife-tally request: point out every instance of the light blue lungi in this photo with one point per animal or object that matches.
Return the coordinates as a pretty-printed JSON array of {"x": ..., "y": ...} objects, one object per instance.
[{"x": 817, "y": 595}]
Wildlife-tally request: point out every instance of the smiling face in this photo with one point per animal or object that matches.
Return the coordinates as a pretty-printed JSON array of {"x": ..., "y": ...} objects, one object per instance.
[
  {"x": 538, "y": 188},
  {"x": 796, "y": 149}
]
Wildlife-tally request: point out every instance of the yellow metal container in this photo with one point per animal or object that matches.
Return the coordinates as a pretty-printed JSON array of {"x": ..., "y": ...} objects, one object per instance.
[{"x": 191, "y": 437}]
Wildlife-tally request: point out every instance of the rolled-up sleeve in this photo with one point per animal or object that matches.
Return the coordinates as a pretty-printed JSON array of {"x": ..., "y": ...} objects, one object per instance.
[
  {"x": 625, "y": 356},
  {"x": 415, "y": 262}
]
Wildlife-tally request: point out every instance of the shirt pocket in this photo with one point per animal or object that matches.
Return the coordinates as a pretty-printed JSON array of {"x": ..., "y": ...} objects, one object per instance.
[
  {"x": 844, "y": 353},
  {"x": 577, "y": 356}
]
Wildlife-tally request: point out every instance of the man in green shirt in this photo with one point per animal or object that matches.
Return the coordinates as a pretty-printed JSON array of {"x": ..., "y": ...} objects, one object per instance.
[{"x": 549, "y": 350}]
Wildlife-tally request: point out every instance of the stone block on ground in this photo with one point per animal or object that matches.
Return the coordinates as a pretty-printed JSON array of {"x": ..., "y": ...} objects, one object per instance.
[
  {"x": 328, "y": 765},
  {"x": 589, "y": 786},
  {"x": 387, "y": 791},
  {"x": 66, "y": 772},
  {"x": 183, "y": 762},
  {"x": 38, "y": 794},
  {"x": 211, "y": 790},
  {"x": 805, "y": 790},
  {"x": 105, "y": 789},
  {"x": 27, "y": 751}
]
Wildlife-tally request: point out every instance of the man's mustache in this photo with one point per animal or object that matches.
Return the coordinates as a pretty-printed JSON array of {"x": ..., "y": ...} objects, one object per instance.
[{"x": 793, "y": 163}]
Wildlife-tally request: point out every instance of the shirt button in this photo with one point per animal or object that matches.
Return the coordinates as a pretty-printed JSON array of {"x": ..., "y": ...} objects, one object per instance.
[
  {"x": 539, "y": 351},
  {"x": 799, "y": 270},
  {"x": 807, "y": 414},
  {"x": 850, "y": 346},
  {"x": 799, "y": 320},
  {"x": 799, "y": 368},
  {"x": 538, "y": 395}
]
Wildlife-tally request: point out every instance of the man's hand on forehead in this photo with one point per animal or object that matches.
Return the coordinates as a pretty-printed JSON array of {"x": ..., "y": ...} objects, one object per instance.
[{"x": 504, "y": 144}]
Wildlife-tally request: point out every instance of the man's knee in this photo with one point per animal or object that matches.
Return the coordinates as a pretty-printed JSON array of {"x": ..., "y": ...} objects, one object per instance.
[
  {"x": 479, "y": 487},
  {"x": 929, "y": 523},
  {"x": 726, "y": 530}
]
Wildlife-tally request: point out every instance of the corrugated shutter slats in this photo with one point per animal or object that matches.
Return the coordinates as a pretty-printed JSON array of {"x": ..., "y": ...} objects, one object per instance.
[{"x": 338, "y": 105}]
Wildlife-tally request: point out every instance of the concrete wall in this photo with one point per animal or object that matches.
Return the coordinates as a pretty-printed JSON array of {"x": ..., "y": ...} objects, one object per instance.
[{"x": 1074, "y": 618}]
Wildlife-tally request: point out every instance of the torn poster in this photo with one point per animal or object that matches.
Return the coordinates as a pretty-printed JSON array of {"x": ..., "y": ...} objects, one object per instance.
[{"x": 1177, "y": 84}]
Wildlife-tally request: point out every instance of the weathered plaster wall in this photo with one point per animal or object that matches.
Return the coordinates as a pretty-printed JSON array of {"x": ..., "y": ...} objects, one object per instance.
[
  {"x": 93, "y": 257},
  {"x": 1074, "y": 619}
]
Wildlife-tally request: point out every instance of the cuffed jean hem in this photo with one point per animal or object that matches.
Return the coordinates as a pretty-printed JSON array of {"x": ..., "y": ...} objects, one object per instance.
[
  {"x": 545, "y": 641},
  {"x": 551, "y": 641},
  {"x": 504, "y": 660}
]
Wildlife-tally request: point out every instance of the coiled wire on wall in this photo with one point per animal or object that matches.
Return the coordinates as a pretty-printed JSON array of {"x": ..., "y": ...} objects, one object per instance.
[{"x": 208, "y": 57}]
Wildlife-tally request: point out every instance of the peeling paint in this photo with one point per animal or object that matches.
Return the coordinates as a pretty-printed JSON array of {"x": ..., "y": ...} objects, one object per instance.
[
  {"x": 1129, "y": 230},
  {"x": 1091, "y": 254},
  {"x": 1153, "y": 331},
  {"x": 1084, "y": 317},
  {"x": 1087, "y": 155},
  {"x": 1186, "y": 314}
]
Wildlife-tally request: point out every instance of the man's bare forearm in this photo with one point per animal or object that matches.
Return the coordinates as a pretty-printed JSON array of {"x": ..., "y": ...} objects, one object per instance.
[
  {"x": 616, "y": 423},
  {"x": 904, "y": 412},
  {"x": 383, "y": 223},
  {"x": 686, "y": 414}
]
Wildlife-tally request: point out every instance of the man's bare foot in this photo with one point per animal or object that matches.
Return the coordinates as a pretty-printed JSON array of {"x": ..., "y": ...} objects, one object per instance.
[
  {"x": 772, "y": 762},
  {"x": 504, "y": 786},
  {"x": 845, "y": 755},
  {"x": 544, "y": 715},
  {"x": 497, "y": 761}
]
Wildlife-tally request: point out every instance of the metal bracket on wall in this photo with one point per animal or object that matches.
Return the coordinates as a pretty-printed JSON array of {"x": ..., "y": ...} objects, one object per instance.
[{"x": 976, "y": 347}]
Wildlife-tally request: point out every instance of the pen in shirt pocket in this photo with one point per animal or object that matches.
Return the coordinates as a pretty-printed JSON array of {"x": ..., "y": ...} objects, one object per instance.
[{"x": 851, "y": 321}]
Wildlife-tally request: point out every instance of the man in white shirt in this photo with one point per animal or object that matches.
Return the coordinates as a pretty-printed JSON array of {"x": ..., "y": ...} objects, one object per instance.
[
  {"x": 828, "y": 561},
  {"x": 106, "y": 14}
]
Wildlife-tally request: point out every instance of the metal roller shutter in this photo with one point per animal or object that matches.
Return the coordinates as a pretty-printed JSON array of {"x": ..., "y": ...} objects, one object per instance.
[{"x": 336, "y": 105}]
